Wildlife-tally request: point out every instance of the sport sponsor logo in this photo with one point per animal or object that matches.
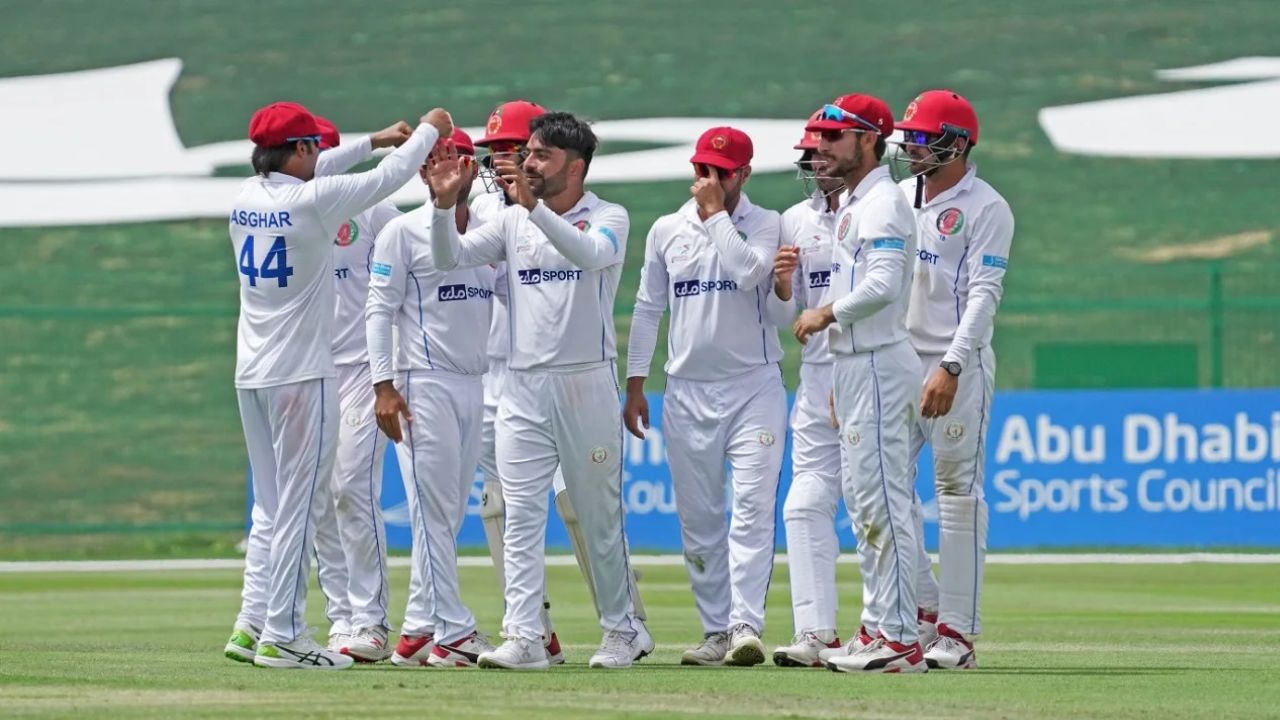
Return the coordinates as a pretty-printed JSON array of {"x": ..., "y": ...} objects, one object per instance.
[
  {"x": 927, "y": 257},
  {"x": 448, "y": 293},
  {"x": 537, "y": 276},
  {"x": 820, "y": 279},
  {"x": 689, "y": 288}
]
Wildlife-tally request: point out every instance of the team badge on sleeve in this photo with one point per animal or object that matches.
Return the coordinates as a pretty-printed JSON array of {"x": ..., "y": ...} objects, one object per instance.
[
  {"x": 951, "y": 221},
  {"x": 347, "y": 234}
]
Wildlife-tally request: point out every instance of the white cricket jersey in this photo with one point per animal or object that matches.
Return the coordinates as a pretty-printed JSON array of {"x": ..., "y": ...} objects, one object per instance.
[
  {"x": 442, "y": 316},
  {"x": 562, "y": 277},
  {"x": 282, "y": 232},
  {"x": 810, "y": 225},
  {"x": 716, "y": 278},
  {"x": 485, "y": 208},
  {"x": 870, "y": 277},
  {"x": 965, "y": 234},
  {"x": 352, "y": 261}
]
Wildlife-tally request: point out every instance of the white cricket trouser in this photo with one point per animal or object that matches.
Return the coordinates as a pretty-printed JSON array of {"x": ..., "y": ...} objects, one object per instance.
[
  {"x": 809, "y": 512},
  {"x": 741, "y": 420},
  {"x": 958, "y": 440},
  {"x": 291, "y": 434},
  {"x": 331, "y": 559},
  {"x": 357, "y": 487},
  {"x": 438, "y": 460},
  {"x": 571, "y": 418},
  {"x": 877, "y": 398}
]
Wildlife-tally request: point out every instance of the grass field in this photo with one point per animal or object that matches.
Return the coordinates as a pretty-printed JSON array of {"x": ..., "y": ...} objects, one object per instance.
[
  {"x": 1091, "y": 641},
  {"x": 117, "y": 346}
]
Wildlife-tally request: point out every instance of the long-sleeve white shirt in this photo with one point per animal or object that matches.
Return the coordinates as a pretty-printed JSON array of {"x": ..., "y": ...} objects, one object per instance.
[
  {"x": 282, "y": 232},
  {"x": 809, "y": 225},
  {"x": 870, "y": 277},
  {"x": 442, "y": 316},
  {"x": 485, "y": 208},
  {"x": 716, "y": 278},
  {"x": 965, "y": 235},
  {"x": 562, "y": 277}
]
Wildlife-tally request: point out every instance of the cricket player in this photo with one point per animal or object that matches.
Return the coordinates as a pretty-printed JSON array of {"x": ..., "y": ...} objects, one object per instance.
[
  {"x": 711, "y": 262},
  {"x": 965, "y": 229},
  {"x": 802, "y": 273},
  {"x": 506, "y": 137},
  {"x": 357, "y": 473},
  {"x": 436, "y": 387},
  {"x": 564, "y": 249},
  {"x": 876, "y": 373},
  {"x": 282, "y": 226}
]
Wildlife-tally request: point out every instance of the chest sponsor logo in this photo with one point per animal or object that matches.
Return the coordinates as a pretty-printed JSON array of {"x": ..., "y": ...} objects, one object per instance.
[
  {"x": 689, "y": 288},
  {"x": 927, "y": 257},
  {"x": 820, "y": 279},
  {"x": 348, "y": 234},
  {"x": 537, "y": 276},
  {"x": 447, "y": 293}
]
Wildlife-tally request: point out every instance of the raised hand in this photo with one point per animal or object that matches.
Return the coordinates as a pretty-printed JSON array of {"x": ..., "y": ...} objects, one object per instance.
[
  {"x": 392, "y": 135},
  {"x": 440, "y": 119},
  {"x": 447, "y": 174},
  {"x": 708, "y": 193},
  {"x": 516, "y": 184}
]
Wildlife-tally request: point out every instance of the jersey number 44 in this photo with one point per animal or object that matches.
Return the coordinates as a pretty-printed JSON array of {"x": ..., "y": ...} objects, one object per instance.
[{"x": 274, "y": 265}]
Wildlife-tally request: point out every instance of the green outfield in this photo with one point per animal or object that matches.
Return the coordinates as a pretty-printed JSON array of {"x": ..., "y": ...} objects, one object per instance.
[
  {"x": 118, "y": 411},
  {"x": 1092, "y": 641}
]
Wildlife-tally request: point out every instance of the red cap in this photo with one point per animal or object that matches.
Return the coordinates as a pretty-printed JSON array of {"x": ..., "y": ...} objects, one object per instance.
[
  {"x": 509, "y": 122},
  {"x": 872, "y": 109},
  {"x": 329, "y": 137},
  {"x": 809, "y": 141},
  {"x": 934, "y": 108},
  {"x": 723, "y": 147},
  {"x": 461, "y": 142},
  {"x": 276, "y": 123}
]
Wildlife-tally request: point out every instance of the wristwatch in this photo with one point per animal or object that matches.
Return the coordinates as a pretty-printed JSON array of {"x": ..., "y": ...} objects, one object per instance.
[{"x": 952, "y": 368}]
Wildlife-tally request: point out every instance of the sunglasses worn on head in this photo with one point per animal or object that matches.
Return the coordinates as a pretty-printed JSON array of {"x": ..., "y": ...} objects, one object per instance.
[
  {"x": 835, "y": 112},
  {"x": 309, "y": 138}
]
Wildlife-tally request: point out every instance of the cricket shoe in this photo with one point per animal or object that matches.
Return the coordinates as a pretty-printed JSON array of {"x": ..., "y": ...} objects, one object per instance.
[
  {"x": 243, "y": 643},
  {"x": 460, "y": 654},
  {"x": 516, "y": 653},
  {"x": 368, "y": 645},
  {"x": 882, "y": 656},
  {"x": 951, "y": 651},
  {"x": 861, "y": 640},
  {"x": 301, "y": 654},
  {"x": 413, "y": 651},
  {"x": 745, "y": 648},
  {"x": 926, "y": 627},
  {"x": 621, "y": 649},
  {"x": 804, "y": 651},
  {"x": 339, "y": 640},
  {"x": 555, "y": 655},
  {"x": 710, "y": 651}
]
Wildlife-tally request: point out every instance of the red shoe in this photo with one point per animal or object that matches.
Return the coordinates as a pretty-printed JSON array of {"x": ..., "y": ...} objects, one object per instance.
[{"x": 413, "y": 650}]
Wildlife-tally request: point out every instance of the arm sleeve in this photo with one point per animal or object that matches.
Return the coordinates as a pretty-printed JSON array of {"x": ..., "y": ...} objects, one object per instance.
[
  {"x": 749, "y": 262},
  {"x": 651, "y": 302},
  {"x": 884, "y": 240},
  {"x": 481, "y": 246},
  {"x": 336, "y": 161},
  {"x": 603, "y": 245},
  {"x": 386, "y": 294},
  {"x": 339, "y": 197},
  {"x": 987, "y": 262},
  {"x": 500, "y": 283}
]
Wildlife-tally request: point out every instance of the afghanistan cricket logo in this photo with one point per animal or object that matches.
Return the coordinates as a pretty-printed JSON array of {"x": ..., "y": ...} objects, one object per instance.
[
  {"x": 495, "y": 122},
  {"x": 844, "y": 227},
  {"x": 951, "y": 221},
  {"x": 347, "y": 234},
  {"x": 911, "y": 111},
  {"x": 719, "y": 141},
  {"x": 582, "y": 225}
]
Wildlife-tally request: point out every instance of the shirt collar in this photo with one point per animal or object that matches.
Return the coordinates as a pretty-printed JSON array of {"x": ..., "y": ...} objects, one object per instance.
[
  {"x": 279, "y": 177},
  {"x": 586, "y": 203},
  {"x": 965, "y": 184},
  {"x": 879, "y": 174}
]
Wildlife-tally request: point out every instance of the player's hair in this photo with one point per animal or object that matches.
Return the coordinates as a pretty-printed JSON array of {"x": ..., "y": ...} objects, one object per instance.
[
  {"x": 565, "y": 131},
  {"x": 271, "y": 159},
  {"x": 881, "y": 146}
]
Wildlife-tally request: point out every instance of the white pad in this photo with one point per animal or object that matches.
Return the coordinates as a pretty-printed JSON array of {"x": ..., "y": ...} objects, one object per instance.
[
  {"x": 962, "y": 544},
  {"x": 492, "y": 514},
  {"x": 570, "y": 519}
]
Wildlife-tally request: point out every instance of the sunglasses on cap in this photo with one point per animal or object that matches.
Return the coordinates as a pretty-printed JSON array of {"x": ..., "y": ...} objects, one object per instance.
[
  {"x": 835, "y": 112},
  {"x": 307, "y": 138},
  {"x": 919, "y": 137},
  {"x": 702, "y": 170}
]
